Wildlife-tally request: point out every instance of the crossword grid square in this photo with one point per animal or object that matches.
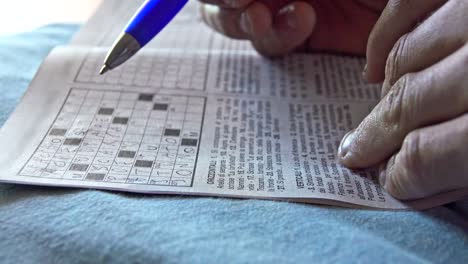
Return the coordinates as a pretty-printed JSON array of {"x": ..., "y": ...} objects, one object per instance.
[
  {"x": 72, "y": 141},
  {"x": 144, "y": 163},
  {"x": 189, "y": 142},
  {"x": 172, "y": 132},
  {"x": 127, "y": 154},
  {"x": 95, "y": 176},
  {"x": 120, "y": 120},
  {"x": 106, "y": 111},
  {"x": 149, "y": 148},
  {"x": 146, "y": 97},
  {"x": 160, "y": 107},
  {"x": 79, "y": 167},
  {"x": 58, "y": 132}
]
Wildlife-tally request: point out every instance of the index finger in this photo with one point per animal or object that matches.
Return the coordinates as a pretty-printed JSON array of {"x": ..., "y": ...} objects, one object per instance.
[
  {"x": 398, "y": 18},
  {"x": 415, "y": 101}
]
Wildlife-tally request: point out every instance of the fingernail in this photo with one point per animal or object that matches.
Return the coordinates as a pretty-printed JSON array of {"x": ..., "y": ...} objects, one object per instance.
[
  {"x": 288, "y": 12},
  {"x": 345, "y": 144},
  {"x": 246, "y": 24}
]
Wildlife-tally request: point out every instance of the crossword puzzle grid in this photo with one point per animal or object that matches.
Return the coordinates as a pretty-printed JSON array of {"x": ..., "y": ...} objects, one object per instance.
[
  {"x": 122, "y": 137},
  {"x": 162, "y": 70},
  {"x": 180, "y": 36}
]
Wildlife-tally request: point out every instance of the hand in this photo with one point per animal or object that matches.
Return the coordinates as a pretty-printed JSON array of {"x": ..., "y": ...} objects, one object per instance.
[
  {"x": 419, "y": 130},
  {"x": 277, "y": 27}
]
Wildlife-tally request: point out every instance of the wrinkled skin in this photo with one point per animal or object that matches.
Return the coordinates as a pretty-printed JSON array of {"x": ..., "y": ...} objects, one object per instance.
[
  {"x": 418, "y": 133},
  {"x": 277, "y": 27}
]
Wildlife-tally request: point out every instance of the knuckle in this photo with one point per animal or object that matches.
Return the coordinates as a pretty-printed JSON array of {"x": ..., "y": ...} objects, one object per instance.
[
  {"x": 410, "y": 167},
  {"x": 411, "y": 155},
  {"x": 394, "y": 60},
  {"x": 396, "y": 182},
  {"x": 395, "y": 105},
  {"x": 406, "y": 172}
]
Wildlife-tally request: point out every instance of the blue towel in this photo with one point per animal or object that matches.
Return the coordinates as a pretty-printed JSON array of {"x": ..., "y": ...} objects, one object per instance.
[{"x": 53, "y": 225}]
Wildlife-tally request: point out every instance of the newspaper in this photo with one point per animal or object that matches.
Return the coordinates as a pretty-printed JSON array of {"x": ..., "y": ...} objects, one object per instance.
[{"x": 194, "y": 113}]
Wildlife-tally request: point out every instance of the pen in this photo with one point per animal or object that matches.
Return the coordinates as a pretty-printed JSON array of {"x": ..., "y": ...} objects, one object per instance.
[{"x": 148, "y": 21}]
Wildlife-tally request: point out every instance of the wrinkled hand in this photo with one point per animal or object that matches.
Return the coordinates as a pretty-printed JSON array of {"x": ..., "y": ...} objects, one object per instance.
[
  {"x": 276, "y": 27},
  {"x": 419, "y": 130}
]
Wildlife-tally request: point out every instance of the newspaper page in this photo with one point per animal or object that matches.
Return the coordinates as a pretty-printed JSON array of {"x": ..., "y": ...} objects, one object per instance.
[{"x": 219, "y": 122}]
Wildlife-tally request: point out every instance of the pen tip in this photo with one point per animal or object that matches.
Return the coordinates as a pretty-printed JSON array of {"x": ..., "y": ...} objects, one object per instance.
[{"x": 104, "y": 69}]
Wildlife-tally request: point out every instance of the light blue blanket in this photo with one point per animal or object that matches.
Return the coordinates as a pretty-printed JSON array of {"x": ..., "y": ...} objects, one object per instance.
[{"x": 51, "y": 225}]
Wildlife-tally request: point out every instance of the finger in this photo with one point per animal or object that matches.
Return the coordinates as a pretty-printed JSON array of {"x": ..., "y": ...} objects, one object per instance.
[
  {"x": 340, "y": 30},
  {"x": 432, "y": 160},
  {"x": 416, "y": 100},
  {"x": 291, "y": 27},
  {"x": 398, "y": 18},
  {"x": 228, "y": 3},
  {"x": 436, "y": 38},
  {"x": 254, "y": 20}
]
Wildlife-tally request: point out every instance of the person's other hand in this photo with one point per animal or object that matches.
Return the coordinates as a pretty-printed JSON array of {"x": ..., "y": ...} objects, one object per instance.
[
  {"x": 277, "y": 27},
  {"x": 419, "y": 130}
]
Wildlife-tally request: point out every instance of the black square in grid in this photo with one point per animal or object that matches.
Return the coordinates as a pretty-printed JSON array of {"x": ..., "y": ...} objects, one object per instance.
[
  {"x": 95, "y": 176},
  {"x": 146, "y": 97},
  {"x": 127, "y": 154},
  {"x": 160, "y": 107},
  {"x": 57, "y": 132},
  {"x": 144, "y": 163},
  {"x": 120, "y": 120},
  {"x": 72, "y": 141},
  {"x": 106, "y": 111},
  {"x": 79, "y": 167},
  {"x": 189, "y": 142},
  {"x": 172, "y": 132}
]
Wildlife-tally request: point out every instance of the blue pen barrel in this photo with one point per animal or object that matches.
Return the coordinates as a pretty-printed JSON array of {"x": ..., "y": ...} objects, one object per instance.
[{"x": 152, "y": 17}]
